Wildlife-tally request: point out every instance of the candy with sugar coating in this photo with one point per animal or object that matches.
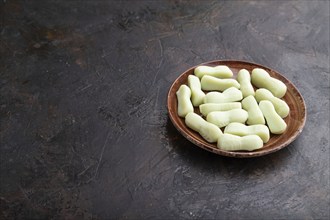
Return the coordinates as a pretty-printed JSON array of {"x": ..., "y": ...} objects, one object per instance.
[
  {"x": 255, "y": 115},
  {"x": 205, "y": 109},
  {"x": 244, "y": 79},
  {"x": 223, "y": 118},
  {"x": 240, "y": 129},
  {"x": 280, "y": 106},
  {"x": 261, "y": 79},
  {"x": 197, "y": 95},
  {"x": 231, "y": 142},
  {"x": 231, "y": 94},
  {"x": 207, "y": 130},
  {"x": 220, "y": 71},
  {"x": 210, "y": 83},
  {"x": 184, "y": 104},
  {"x": 275, "y": 123}
]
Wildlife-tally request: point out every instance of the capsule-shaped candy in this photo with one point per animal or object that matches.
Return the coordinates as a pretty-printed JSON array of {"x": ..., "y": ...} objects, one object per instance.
[
  {"x": 205, "y": 109},
  {"x": 261, "y": 79},
  {"x": 231, "y": 142},
  {"x": 210, "y": 83},
  {"x": 255, "y": 115},
  {"x": 197, "y": 95},
  {"x": 207, "y": 130},
  {"x": 223, "y": 118},
  {"x": 244, "y": 79},
  {"x": 220, "y": 71},
  {"x": 184, "y": 104},
  {"x": 275, "y": 123},
  {"x": 231, "y": 94},
  {"x": 240, "y": 129}
]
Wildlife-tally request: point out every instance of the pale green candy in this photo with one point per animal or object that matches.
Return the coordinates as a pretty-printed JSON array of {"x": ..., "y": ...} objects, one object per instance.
[
  {"x": 280, "y": 106},
  {"x": 243, "y": 130},
  {"x": 244, "y": 79},
  {"x": 197, "y": 95},
  {"x": 223, "y": 118},
  {"x": 261, "y": 79},
  {"x": 208, "y": 131},
  {"x": 255, "y": 115},
  {"x": 210, "y": 83},
  {"x": 184, "y": 104},
  {"x": 275, "y": 123},
  {"x": 220, "y": 71},
  {"x": 229, "y": 142},
  {"x": 211, "y": 107},
  {"x": 231, "y": 94}
]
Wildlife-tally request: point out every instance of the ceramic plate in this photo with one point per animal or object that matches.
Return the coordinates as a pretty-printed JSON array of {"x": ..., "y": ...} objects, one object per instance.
[{"x": 295, "y": 120}]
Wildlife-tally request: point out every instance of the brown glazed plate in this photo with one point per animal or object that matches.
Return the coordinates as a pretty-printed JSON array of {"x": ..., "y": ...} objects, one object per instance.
[{"x": 295, "y": 120}]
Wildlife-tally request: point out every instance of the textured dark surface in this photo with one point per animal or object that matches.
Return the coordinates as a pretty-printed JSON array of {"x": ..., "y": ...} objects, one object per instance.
[{"x": 84, "y": 127}]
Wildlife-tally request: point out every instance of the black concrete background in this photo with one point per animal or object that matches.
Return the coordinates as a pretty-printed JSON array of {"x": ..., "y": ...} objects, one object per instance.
[{"x": 85, "y": 132}]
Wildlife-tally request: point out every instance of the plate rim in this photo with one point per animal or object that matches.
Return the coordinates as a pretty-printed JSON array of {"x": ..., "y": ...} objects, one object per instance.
[{"x": 237, "y": 154}]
